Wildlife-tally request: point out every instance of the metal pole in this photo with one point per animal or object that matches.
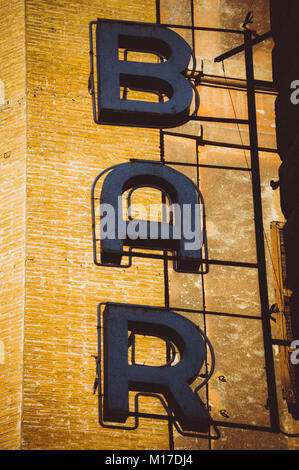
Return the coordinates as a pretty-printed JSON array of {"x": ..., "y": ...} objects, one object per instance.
[{"x": 259, "y": 234}]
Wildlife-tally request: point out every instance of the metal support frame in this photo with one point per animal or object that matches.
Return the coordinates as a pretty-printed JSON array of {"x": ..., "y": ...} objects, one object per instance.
[
  {"x": 259, "y": 233},
  {"x": 260, "y": 264}
]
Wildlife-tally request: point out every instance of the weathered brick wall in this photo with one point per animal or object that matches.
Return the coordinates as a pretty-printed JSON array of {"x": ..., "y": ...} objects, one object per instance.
[
  {"x": 12, "y": 216},
  {"x": 66, "y": 151}
]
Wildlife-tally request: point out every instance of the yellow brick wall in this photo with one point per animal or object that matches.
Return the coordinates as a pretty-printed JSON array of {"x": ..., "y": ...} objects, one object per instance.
[
  {"x": 51, "y": 152},
  {"x": 12, "y": 216},
  {"x": 66, "y": 151}
]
